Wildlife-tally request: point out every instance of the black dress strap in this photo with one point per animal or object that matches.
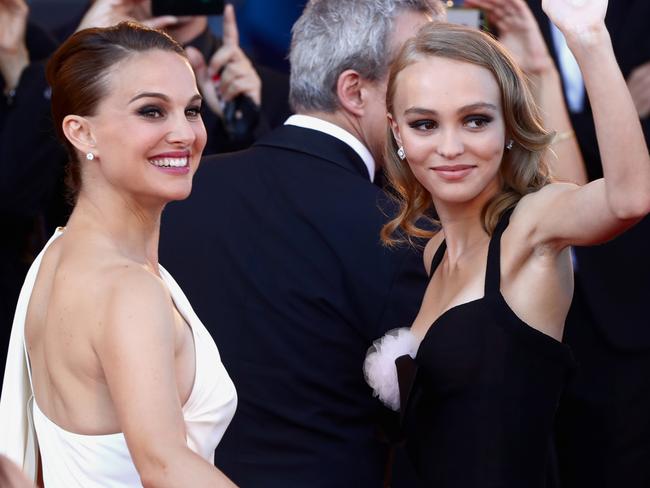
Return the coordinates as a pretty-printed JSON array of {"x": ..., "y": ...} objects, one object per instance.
[
  {"x": 437, "y": 257},
  {"x": 493, "y": 271}
]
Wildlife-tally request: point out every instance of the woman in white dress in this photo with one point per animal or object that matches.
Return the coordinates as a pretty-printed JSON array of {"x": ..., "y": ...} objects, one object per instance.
[{"x": 128, "y": 387}]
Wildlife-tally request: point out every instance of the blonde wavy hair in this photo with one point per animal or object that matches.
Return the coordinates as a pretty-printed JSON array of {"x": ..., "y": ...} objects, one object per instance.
[{"x": 522, "y": 169}]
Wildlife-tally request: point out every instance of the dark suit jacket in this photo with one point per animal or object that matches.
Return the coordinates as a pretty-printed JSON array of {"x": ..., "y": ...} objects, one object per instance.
[
  {"x": 278, "y": 250},
  {"x": 614, "y": 278}
]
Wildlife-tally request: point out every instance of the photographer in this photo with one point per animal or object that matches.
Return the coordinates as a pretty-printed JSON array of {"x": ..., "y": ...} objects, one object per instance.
[{"x": 258, "y": 94}]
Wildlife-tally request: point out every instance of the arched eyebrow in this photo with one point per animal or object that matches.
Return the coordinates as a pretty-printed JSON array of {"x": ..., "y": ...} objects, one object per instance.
[
  {"x": 161, "y": 96},
  {"x": 463, "y": 109}
]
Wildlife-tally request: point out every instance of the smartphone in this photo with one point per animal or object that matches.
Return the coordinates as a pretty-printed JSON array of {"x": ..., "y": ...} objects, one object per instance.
[
  {"x": 186, "y": 7},
  {"x": 457, "y": 13}
]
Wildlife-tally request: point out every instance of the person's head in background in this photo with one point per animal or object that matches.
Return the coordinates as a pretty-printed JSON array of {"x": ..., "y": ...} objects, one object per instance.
[
  {"x": 456, "y": 98},
  {"x": 126, "y": 106},
  {"x": 340, "y": 54}
]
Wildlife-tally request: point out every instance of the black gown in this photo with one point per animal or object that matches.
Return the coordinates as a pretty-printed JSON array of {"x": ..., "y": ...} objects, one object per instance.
[{"x": 479, "y": 409}]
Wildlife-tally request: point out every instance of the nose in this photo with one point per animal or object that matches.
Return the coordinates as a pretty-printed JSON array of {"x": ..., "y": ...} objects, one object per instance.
[
  {"x": 181, "y": 132},
  {"x": 450, "y": 144}
]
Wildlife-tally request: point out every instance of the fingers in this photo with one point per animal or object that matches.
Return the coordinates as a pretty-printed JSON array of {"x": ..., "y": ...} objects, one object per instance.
[
  {"x": 11, "y": 476},
  {"x": 230, "y": 31},
  {"x": 224, "y": 55},
  {"x": 196, "y": 61},
  {"x": 203, "y": 80},
  {"x": 237, "y": 74},
  {"x": 161, "y": 22},
  {"x": 238, "y": 79}
]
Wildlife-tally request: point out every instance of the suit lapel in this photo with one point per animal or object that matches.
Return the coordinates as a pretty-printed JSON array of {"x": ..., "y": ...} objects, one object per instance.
[{"x": 317, "y": 144}]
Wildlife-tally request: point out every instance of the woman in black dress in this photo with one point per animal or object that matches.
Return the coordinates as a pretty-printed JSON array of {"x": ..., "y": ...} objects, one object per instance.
[{"x": 466, "y": 141}]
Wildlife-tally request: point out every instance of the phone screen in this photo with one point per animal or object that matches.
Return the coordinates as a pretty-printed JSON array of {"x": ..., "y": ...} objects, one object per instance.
[
  {"x": 471, "y": 17},
  {"x": 187, "y": 7}
]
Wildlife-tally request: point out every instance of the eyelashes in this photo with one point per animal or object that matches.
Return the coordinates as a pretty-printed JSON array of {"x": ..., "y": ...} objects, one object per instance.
[
  {"x": 423, "y": 125},
  {"x": 471, "y": 122},
  {"x": 155, "y": 112},
  {"x": 150, "y": 112},
  {"x": 477, "y": 121}
]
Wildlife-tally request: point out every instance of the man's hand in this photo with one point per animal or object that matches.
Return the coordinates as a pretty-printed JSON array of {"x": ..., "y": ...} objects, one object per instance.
[
  {"x": 237, "y": 73},
  {"x": 639, "y": 84},
  {"x": 230, "y": 66},
  {"x": 14, "y": 56},
  {"x": 518, "y": 31},
  {"x": 104, "y": 13}
]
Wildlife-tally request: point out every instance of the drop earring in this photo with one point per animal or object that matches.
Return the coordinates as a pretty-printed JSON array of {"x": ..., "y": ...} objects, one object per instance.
[
  {"x": 90, "y": 156},
  {"x": 401, "y": 153},
  {"x": 509, "y": 145}
]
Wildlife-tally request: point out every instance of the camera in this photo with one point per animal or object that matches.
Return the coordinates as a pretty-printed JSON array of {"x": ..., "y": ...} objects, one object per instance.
[{"x": 186, "y": 7}]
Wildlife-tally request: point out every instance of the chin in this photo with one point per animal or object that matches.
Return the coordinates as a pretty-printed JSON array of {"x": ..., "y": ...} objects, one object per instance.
[
  {"x": 455, "y": 195},
  {"x": 180, "y": 192}
]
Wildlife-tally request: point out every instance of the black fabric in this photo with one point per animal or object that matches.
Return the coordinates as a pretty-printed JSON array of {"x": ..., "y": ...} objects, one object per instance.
[
  {"x": 32, "y": 163},
  {"x": 278, "y": 250},
  {"x": 604, "y": 417},
  {"x": 487, "y": 387},
  {"x": 603, "y": 429}
]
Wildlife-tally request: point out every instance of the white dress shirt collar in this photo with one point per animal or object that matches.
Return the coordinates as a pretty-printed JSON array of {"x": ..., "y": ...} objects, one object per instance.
[{"x": 309, "y": 122}]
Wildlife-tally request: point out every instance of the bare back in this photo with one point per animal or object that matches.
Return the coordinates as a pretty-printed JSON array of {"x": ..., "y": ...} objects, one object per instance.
[{"x": 69, "y": 311}]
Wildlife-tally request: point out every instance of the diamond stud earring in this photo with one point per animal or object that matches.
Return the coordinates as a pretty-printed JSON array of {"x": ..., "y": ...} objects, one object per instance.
[{"x": 90, "y": 156}]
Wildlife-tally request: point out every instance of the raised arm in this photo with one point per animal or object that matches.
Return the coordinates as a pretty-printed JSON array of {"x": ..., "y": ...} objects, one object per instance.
[
  {"x": 137, "y": 347},
  {"x": 604, "y": 208}
]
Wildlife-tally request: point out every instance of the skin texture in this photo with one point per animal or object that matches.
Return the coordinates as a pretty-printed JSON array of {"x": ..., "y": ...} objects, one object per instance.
[
  {"x": 362, "y": 109},
  {"x": 117, "y": 356},
  {"x": 11, "y": 476},
  {"x": 520, "y": 34},
  {"x": 432, "y": 122},
  {"x": 238, "y": 76}
]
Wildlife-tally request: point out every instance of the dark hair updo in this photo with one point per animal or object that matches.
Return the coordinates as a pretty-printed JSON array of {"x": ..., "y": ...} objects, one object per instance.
[{"x": 77, "y": 74}]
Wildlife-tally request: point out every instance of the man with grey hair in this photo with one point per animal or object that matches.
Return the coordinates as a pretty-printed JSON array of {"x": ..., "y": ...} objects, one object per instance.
[{"x": 289, "y": 274}]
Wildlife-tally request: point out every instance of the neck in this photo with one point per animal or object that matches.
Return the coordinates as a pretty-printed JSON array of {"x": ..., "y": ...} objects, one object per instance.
[
  {"x": 462, "y": 223},
  {"x": 342, "y": 119},
  {"x": 131, "y": 228}
]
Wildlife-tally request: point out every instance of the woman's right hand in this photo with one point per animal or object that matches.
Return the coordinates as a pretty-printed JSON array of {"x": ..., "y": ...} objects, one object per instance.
[{"x": 11, "y": 476}]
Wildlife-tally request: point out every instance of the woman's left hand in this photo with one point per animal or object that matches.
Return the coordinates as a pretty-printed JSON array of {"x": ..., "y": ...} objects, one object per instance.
[{"x": 576, "y": 17}]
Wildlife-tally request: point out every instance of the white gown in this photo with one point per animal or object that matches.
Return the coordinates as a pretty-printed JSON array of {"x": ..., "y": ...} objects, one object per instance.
[{"x": 73, "y": 460}]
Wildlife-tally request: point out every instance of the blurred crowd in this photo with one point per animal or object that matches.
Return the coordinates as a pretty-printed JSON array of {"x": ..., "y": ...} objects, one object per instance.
[{"x": 241, "y": 65}]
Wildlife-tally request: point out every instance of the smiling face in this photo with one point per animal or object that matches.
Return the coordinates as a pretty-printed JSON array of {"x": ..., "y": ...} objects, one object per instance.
[
  {"x": 148, "y": 131},
  {"x": 448, "y": 116}
]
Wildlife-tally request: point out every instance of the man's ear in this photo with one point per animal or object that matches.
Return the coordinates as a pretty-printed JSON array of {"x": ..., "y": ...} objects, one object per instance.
[
  {"x": 394, "y": 129},
  {"x": 349, "y": 92},
  {"x": 79, "y": 132}
]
